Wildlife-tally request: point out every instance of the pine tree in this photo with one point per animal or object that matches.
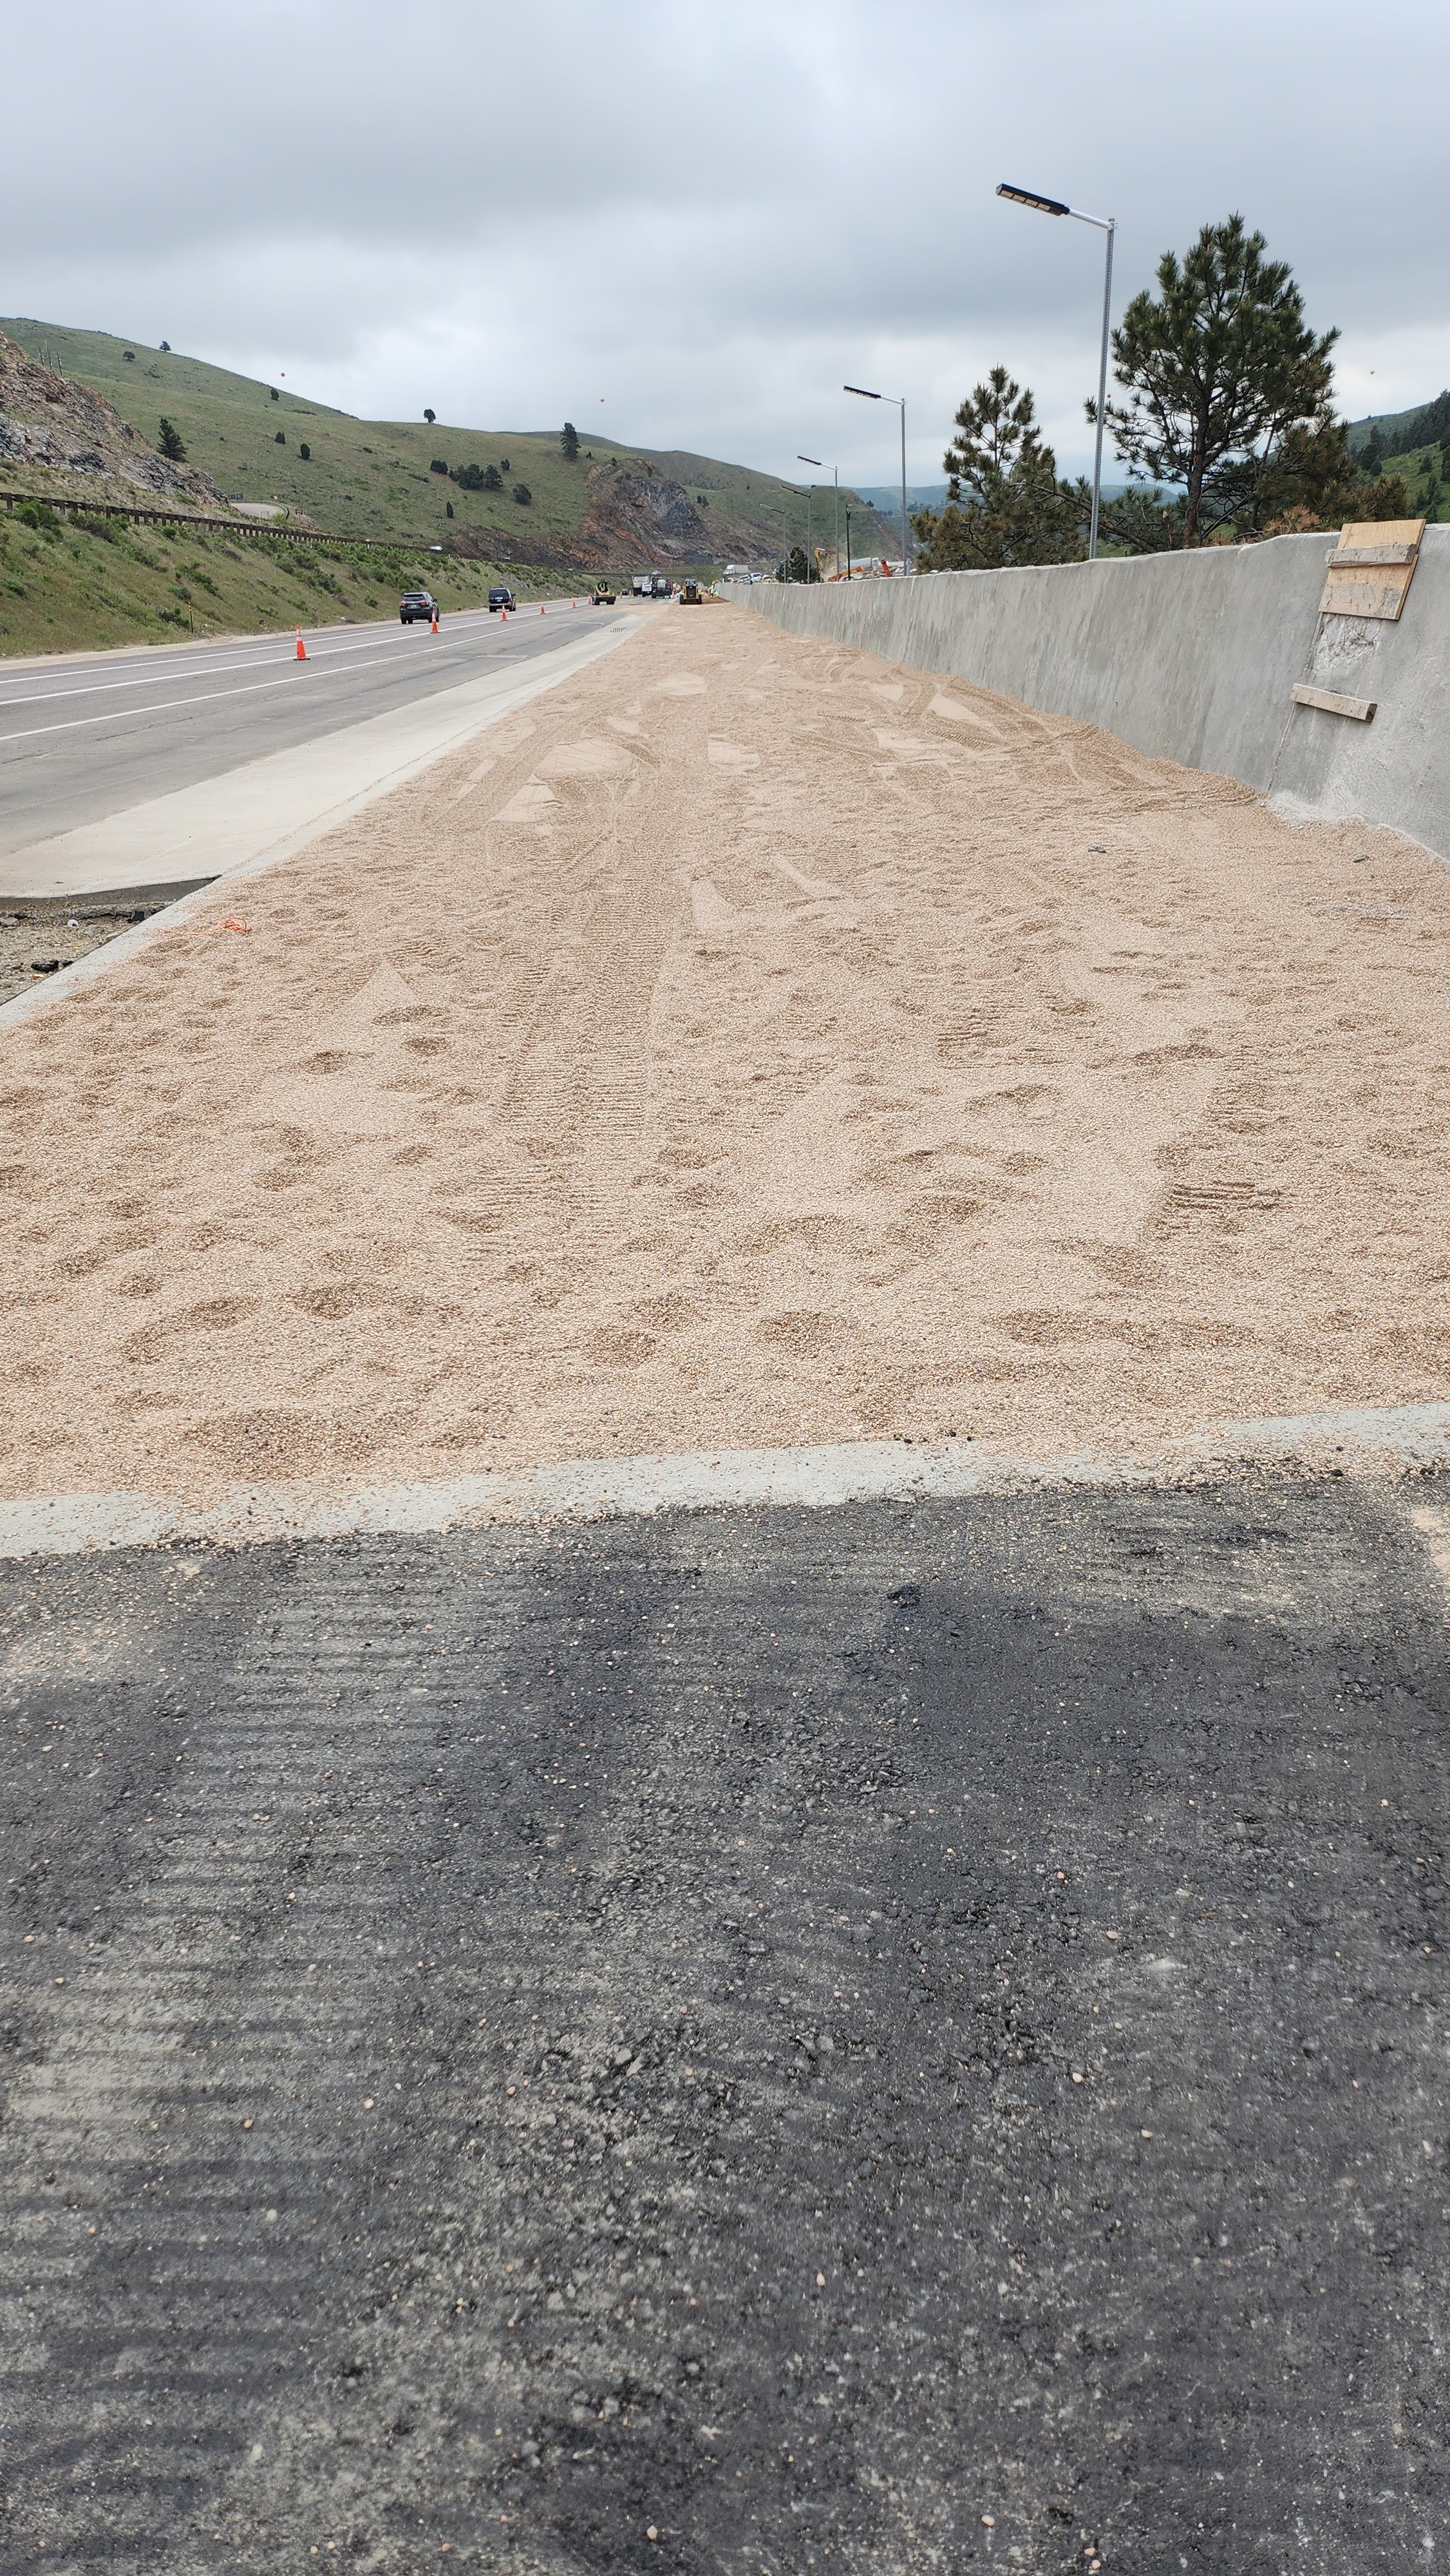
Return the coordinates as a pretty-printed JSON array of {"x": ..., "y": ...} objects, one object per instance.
[
  {"x": 1217, "y": 368},
  {"x": 569, "y": 441},
  {"x": 169, "y": 442},
  {"x": 1005, "y": 504}
]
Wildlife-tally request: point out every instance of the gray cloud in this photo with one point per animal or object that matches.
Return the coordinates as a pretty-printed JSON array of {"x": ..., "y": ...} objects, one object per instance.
[{"x": 713, "y": 216}]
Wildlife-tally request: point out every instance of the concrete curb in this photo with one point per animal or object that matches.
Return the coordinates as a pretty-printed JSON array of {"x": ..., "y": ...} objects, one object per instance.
[
  {"x": 816, "y": 1479},
  {"x": 544, "y": 671}
]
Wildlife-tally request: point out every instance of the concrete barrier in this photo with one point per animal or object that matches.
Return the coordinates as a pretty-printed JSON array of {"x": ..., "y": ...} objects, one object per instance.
[{"x": 1191, "y": 657}]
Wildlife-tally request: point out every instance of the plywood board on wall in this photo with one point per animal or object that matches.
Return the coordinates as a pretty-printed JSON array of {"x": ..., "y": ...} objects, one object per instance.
[{"x": 1360, "y": 586}]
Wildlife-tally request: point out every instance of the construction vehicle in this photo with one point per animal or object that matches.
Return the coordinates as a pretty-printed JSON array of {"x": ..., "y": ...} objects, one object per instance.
[
  {"x": 604, "y": 594},
  {"x": 691, "y": 595}
]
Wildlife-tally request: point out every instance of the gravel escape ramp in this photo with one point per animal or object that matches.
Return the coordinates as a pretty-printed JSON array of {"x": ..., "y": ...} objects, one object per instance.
[{"x": 751, "y": 1044}]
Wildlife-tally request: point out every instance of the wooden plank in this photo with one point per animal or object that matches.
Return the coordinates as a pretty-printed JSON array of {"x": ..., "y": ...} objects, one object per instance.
[
  {"x": 1373, "y": 555},
  {"x": 1351, "y": 593},
  {"x": 1331, "y": 704},
  {"x": 1382, "y": 532},
  {"x": 1371, "y": 568}
]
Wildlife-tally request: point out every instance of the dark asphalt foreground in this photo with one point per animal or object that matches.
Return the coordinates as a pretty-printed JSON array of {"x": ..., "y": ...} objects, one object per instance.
[{"x": 896, "y": 2039}]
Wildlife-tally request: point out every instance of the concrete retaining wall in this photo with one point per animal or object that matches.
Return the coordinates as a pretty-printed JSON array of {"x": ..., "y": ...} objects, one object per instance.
[{"x": 1191, "y": 657}]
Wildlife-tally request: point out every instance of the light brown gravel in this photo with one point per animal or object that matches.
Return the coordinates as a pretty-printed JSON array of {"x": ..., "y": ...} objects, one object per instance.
[{"x": 747, "y": 1046}]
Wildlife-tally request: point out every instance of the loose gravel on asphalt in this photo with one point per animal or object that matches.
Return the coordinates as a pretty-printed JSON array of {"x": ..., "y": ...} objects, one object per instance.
[{"x": 885, "y": 2040}]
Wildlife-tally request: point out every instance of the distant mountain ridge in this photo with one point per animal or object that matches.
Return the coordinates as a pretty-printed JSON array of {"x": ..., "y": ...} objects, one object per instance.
[{"x": 1401, "y": 432}]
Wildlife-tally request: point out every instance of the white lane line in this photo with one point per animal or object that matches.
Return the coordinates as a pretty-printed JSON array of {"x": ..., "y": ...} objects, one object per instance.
[
  {"x": 167, "y": 706},
  {"x": 819, "y": 1479},
  {"x": 319, "y": 649},
  {"x": 137, "y": 715},
  {"x": 161, "y": 679}
]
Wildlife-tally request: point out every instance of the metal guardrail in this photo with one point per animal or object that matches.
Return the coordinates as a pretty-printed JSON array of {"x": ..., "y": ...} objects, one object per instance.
[{"x": 229, "y": 527}]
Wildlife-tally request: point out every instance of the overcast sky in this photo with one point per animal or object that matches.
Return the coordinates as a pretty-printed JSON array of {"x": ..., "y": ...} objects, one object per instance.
[{"x": 688, "y": 226}]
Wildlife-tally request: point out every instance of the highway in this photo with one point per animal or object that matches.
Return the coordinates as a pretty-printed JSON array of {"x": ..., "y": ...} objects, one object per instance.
[{"x": 87, "y": 736}]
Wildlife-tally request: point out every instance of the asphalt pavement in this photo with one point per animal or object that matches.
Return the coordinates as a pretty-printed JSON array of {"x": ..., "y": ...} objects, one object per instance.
[
  {"x": 902, "y": 2038},
  {"x": 86, "y": 736}
]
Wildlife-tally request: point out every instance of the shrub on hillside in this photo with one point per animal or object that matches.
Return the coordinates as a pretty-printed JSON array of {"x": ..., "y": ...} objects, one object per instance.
[
  {"x": 169, "y": 441},
  {"x": 281, "y": 438},
  {"x": 305, "y": 452},
  {"x": 522, "y": 494},
  {"x": 437, "y": 464}
]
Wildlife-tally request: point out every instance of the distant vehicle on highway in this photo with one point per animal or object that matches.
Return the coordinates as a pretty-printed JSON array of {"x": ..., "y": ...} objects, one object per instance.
[
  {"x": 501, "y": 598},
  {"x": 418, "y": 603},
  {"x": 643, "y": 585}
]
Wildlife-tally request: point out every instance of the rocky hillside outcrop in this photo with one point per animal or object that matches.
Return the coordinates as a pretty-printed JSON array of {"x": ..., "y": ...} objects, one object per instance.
[
  {"x": 50, "y": 421},
  {"x": 634, "y": 510},
  {"x": 638, "y": 516},
  {"x": 635, "y": 515}
]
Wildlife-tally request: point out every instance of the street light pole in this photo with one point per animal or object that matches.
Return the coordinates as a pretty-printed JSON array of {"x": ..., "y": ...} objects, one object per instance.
[
  {"x": 1104, "y": 224},
  {"x": 900, "y": 402},
  {"x": 816, "y": 460}
]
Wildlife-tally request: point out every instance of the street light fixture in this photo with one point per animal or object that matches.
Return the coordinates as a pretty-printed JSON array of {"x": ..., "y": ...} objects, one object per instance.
[
  {"x": 1105, "y": 224},
  {"x": 900, "y": 402}
]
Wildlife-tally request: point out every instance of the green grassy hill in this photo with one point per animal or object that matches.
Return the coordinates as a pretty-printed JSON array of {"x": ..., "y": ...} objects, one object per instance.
[
  {"x": 1401, "y": 432},
  {"x": 374, "y": 478},
  {"x": 1427, "y": 472},
  {"x": 69, "y": 585}
]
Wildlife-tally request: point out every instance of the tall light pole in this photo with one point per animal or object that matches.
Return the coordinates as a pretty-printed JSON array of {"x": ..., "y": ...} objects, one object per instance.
[
  {"x": 1105, "y": 224},
  {"x": 835, "y": 469},
  {"x": 836, "y": 483},
  {"x": 796, "y": 488},
  {"x": 900, "y": 402}
]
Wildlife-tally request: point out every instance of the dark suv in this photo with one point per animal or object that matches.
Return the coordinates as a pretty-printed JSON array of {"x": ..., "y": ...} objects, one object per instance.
[
  {"x": 501, "y": 599},
  {"x": 418, "y": 603}
]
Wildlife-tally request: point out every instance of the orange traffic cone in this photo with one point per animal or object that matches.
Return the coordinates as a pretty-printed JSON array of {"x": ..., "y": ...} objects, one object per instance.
[
  {"x": 301, "y": 647},
  {"x": 433, "y": 629},
  {"x": 541, "y": 612},
  {"x": 503, "y": 617}
]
